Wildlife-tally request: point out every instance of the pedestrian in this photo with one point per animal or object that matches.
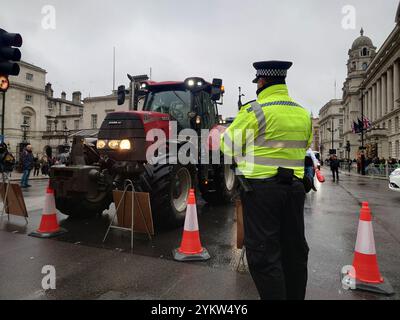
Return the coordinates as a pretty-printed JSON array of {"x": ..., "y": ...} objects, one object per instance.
[
  {"x": 335, "y": 164},
  {"x": 273, "y": 185},
  {"x": 310, "y": 165},
  {"x": 45, "y": 166},
  {"x": 36, "y": 166},
  {"x": 27, "y": 165}
]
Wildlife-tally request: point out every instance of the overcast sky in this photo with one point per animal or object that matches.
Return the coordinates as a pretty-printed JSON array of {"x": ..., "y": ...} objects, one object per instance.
[{"x": 208, "y": 38}]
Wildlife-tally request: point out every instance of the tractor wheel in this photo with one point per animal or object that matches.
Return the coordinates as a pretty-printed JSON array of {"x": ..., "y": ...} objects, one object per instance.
[
  {"x": 223, "y": 188},
  {"x": 83, "y": 206},
  {"x": 169, "y": 187}
]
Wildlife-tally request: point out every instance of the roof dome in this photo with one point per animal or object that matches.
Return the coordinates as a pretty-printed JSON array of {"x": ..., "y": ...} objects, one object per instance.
[{"x": 362, "y": 41}]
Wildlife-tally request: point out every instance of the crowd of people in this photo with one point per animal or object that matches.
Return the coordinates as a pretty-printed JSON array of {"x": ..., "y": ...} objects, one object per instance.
[
  {"x": 39, "y": 164},
  {"x": 374, "y": 165}
]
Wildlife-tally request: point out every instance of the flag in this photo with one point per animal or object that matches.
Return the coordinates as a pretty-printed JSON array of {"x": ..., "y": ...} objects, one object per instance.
[
  {"x": 356, "y": 128},
  {"x": 360, "y": 125},
  {"x": 367, "y": 123}
]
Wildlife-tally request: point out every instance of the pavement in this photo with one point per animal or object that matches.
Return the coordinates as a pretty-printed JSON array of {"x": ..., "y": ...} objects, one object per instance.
[
  {"x": 16, "y": 176},
  {"x": 88, "y": 269}
]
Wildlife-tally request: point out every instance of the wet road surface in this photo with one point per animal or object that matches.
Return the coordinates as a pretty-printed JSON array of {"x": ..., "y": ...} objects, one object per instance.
[{"x": 331, "y": 217}]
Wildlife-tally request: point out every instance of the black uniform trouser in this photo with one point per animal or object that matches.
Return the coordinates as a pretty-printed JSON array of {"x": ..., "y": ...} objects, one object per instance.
[
  {"x": 335, "y": 174},
  {"x": 277, "y": 251}
]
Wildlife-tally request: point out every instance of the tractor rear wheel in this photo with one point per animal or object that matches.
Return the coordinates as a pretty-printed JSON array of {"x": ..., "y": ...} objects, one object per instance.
[
  {"x": 169, "y": 187},
  {"x": 223, "y": 187}
]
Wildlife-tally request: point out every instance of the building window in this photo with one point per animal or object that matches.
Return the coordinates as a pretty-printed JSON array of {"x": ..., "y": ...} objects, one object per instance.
[
  {"x": 64, "y": 124},
  {"x": 28, "y": 98},
  {"x": 76, "y": 125},
  {"x": 397, "y": 155},
  {"x": 396, "y": 125},
  {"x": 48, "y": 128},
  {"x": 29, "y": 76},
  {"x": 94, "y": 121},
  {"x": 81, "y": 111},
  {"x": 364, "y": 52},
  {"x": 67, "y": 108},
  {"x": 27, "y": 120},
  {"x": 50, "y": 106}
]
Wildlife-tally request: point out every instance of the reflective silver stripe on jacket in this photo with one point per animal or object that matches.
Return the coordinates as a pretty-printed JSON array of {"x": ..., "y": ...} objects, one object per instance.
[
  {"x": 260, "y": 141},
  {"x": 287, "y": 144},
  {"x": 270, "y": 162}
]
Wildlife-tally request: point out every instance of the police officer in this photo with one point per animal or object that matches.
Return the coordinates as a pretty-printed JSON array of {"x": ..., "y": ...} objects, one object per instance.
[{"x": 272, "y": 164}]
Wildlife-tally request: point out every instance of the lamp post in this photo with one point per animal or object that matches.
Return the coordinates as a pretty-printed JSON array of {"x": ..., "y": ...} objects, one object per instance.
[
  {"x": 332, "y": 131},
  {"x": 362, "y": 148},
  {"x": 66, "y": 133},
  {"x": 24, "y": 128}
]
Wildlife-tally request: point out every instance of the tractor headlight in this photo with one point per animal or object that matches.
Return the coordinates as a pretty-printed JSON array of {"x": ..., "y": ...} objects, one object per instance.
[
  {"x": 190, "y": 83},
  {"x": 113, "y": 144},
  {"x": 125, "y": 145},
  {"x": 101, "y": 144}
]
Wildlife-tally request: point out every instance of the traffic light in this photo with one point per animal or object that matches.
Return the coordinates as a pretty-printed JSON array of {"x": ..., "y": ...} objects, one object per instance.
[{"x": 8, "y": 54}]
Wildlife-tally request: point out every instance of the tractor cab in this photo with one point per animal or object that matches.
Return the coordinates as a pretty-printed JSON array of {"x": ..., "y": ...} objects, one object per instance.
[{"x": 191, "y": 103}]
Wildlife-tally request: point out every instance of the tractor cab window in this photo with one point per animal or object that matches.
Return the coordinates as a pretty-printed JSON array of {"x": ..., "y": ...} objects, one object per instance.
[
  {"x": 175, "y": 103},
  {"x": 206, "y": 108}
]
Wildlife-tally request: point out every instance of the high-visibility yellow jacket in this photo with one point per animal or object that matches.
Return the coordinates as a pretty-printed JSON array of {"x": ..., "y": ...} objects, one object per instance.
[{"x": 270, "y": 133}]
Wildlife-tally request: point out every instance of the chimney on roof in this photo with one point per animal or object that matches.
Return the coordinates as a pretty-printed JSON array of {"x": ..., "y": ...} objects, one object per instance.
[
  {"x": 63, "y": 95},
  {"x": 77, "y": 97},
  {"x": 49, "y": 90}
]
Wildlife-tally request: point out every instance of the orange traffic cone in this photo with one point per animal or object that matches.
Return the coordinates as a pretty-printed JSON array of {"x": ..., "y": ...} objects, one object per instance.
[
  {"x": 191, "y": 249},
  {"x": 49, "y": 226},
  {"x": 367, "y": 275}
]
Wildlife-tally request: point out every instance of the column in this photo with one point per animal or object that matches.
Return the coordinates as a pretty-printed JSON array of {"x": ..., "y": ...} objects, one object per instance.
[
  {"x": 384, "y": 95},
  {"x": 396, "y": 83},
  {"x": 373, "y": 102},
  {"x": 390, "y": 89},
  {"x": 370, "y": 103},
  {"x": 365, "y": 97},
  {"x": 378, "y": 99}
]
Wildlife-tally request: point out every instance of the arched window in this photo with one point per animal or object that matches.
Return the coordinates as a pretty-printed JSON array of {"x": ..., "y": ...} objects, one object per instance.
[
  {"x": 364, "y": 52},
  {"x": 28, "y": 116}
]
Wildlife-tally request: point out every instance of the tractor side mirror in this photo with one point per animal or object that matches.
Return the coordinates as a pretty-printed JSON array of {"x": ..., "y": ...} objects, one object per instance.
[
  {"x": 216, "y": 90},
  {"x": 121, "y": 95}
]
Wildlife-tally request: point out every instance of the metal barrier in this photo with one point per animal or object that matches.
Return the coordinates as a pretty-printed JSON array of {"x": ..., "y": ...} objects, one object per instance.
[{"x": 373, "y": 170}]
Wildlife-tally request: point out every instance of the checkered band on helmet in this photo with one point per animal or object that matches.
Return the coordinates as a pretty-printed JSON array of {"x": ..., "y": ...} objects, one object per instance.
[{"x": 271, "y": 73}]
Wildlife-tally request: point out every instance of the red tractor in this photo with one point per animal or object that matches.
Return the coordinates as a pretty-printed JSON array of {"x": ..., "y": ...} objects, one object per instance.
[{"x": 84, "y": 187}]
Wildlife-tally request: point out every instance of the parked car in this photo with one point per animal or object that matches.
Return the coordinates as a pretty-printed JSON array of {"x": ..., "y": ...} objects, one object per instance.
[{"x": 394, "y": 183}]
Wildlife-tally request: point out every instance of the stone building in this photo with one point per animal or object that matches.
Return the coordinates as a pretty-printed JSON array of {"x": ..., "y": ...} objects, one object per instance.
[
  {"x": 315, "y": 145},
  {"x": 50, "y": 122},
  {"x": 381, "y": 98},
  {"x": 33, "y": 115},
  {"x": 372, "y": 89},
  {"x": 25, "y": 101},
  {"x": 331, "y": 126},
  {"x": 361, "y": 55},
  {"x": 63, "y": 117},
  {"x": 97, "y": 108}
]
